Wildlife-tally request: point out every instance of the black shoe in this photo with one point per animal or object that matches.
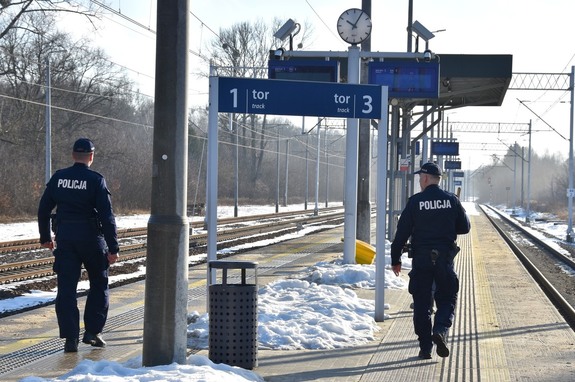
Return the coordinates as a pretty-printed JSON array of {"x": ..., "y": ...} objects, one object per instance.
[
  {"x": 94, "y": 340},
  {"x": 71, "y": 345},
  {"x": 439, "y": 340},
  {"x": 424, "y": 354}
]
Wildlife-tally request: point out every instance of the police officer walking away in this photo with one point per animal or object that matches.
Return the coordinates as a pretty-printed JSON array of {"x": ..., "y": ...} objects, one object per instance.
[
  {"x": 432, "y": 218},
  {"x": 85, "y": 229}
]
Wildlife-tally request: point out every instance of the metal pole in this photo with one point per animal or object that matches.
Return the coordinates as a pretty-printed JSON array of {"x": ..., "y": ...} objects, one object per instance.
[
  {"x": 364, "y": 154},
  {"x": 409, "y": 24},
  {"x": 351, "y": 155},
  {"x": 212, "y": 175},
  {"x": 166, "y": 296},
  {"x": 48, "y": 116},
  {"x": 326, "y": 170},
  {"x": 381, "y": 208},
  {"x": 316, "y": 208},
  {"x": 527, "y": 218},
  {"x": 515, "y": 176},
  {"x": 392, "y": 167},
  {"x": 287, "y": 172},
  {"x": 306, "y": 162},
  {"x": 236, "y": 170},
  {"x": 522, "y": 177},
  {"x": 278, "y": 173},
  {"x": 570, "y": 191}
]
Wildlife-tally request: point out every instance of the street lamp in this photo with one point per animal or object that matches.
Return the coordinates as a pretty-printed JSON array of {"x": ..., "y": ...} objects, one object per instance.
[
  {"x": 48, "y": 116},
  {"x": 231, "y": 116}
]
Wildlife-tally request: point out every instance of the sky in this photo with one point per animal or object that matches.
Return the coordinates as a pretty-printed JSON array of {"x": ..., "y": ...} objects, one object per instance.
[
  {"x": 536, "y": 33},
  {"x": 322, "y": 293}
]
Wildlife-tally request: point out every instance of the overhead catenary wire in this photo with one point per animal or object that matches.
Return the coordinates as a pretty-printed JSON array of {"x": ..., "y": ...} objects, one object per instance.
[
  {"x": 42, "y": 104},
  {"x": 139, "y": 25},
  {"x": 323, "y": 22}
]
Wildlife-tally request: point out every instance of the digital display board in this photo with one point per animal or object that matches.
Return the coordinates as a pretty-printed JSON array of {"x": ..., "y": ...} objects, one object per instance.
[
  {"x": 452, "y": 165},
  {"x": 400, "y": 147},
  {"x": 444, "y": 148},
  {"x": 458, "y": 174},
  {"x": 304, "y": 70},
  {"x": 406, "y": 79}
]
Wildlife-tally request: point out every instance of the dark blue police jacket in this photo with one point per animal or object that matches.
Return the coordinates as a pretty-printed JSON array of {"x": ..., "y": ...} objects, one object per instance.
[
  {"x": 84, "y": 209},
  {"x": 433, "y": 218}
]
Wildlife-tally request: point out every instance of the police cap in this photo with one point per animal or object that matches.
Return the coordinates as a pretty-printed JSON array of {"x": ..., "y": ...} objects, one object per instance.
[
  {"x": 429, "y": 168},
  {"x": 83, "y": 145}
]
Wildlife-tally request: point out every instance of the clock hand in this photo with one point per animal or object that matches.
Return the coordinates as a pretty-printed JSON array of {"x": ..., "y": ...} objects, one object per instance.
[
  {"x": 356, "y": 21},
  {"x": 352, "y": 24}
]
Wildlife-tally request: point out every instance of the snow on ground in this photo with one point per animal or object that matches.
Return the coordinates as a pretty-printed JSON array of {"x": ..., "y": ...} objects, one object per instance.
[{"x": 319, "y": 309}]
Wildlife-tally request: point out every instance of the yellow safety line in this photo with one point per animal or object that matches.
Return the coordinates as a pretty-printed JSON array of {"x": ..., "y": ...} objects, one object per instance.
[{"x": 492, "y": 359}]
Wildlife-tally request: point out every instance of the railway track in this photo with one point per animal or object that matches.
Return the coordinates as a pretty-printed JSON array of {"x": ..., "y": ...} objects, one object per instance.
[
  {"x": 550, "y": 262},
  {"x": 231, "y": 232}
]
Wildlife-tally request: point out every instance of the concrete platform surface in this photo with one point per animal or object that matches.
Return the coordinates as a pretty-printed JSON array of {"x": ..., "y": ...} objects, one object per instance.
[{"x": 505, "y": 329}]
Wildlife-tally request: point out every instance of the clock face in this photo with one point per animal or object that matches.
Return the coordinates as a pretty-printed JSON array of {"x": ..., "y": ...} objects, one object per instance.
[{"x": 354, "y": 26}]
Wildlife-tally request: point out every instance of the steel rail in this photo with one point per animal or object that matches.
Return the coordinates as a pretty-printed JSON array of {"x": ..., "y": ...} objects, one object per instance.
[
  {"x": 32, "y": 244},
  {"x": 227, "y": 237}
]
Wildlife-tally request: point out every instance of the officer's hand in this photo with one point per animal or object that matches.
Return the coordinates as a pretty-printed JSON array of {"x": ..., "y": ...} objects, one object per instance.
[
  {"x": 396, "y": 269},
  {"x": 112, "y": 257},
  {"x": 48, "y": 244}
]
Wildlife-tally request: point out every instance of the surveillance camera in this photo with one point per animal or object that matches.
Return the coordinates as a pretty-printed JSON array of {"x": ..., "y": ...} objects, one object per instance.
[
  {"x": 288, "y": 28},
  {"x": 422, "y": 31},
  {"x": 427, "y": 55},
  {"x": 278, "y": 53}
]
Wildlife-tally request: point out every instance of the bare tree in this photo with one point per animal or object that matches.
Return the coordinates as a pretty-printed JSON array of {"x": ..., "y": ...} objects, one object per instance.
[
  {"x": 243, "y": 51},
  {"x": 13, "y": 12},
  {"x": 90, "y": 97},
  {"x": 84, "y": 83}
]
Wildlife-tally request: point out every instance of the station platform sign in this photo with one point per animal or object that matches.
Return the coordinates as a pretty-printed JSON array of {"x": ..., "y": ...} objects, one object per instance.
[{"x": 301, "y": 98}]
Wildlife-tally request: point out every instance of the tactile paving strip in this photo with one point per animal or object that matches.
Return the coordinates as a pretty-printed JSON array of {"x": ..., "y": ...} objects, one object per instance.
[{"x": 396, "y": 357}]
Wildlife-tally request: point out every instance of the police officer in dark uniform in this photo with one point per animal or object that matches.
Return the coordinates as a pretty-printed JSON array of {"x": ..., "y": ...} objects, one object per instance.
[
  {"x": 432, "y": 218},
  {"x": 85, "y": 229}
]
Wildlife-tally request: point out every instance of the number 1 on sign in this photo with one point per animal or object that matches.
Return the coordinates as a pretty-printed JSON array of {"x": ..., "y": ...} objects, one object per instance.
[{"x": 234, "y": 92}]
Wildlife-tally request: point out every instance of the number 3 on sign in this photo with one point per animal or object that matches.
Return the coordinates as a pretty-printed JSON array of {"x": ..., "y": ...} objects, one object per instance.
[{"x": 367, "y": 104}]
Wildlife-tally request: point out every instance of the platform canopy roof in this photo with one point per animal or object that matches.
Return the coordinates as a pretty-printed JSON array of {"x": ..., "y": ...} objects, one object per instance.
[
  {"x": 472, "y": 80},
  {"x": 464, "y": 79}
]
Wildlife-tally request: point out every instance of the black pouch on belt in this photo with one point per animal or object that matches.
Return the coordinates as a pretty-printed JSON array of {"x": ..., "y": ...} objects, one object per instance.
[
  {"x": 434, "y": 255},
  {"x": 407, "y": 248},
  {"x": 96, "y": 225},
  {"x": 454, "y": 251}
]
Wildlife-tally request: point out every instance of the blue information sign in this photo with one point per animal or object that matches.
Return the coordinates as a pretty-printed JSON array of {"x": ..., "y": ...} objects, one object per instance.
[
  {"x": 279, "y": 97},
  {"x": 406, "y": 79},
  {"x": 304, "y": 70},
  {"x": 452, "y": 165}
]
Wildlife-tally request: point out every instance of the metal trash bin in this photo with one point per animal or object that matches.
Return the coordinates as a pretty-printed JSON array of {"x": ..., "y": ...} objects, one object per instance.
[{"x": 233, "y": 316}]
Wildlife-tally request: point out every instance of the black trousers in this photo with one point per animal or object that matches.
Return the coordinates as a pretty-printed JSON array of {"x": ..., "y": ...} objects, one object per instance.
[
  {"x": 69, "y": 257},
  {"x": 440, "y": 282}
]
